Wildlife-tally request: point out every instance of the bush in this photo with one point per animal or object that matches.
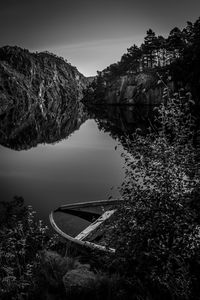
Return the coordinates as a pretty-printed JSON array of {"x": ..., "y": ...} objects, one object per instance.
[
  {"x": 156, "y": 232},
  {"x": 21, "y": 240}
]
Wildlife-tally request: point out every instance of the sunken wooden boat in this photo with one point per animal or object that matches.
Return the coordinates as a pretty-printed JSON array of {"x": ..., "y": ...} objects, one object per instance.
[{"x": 82, "y": 223}]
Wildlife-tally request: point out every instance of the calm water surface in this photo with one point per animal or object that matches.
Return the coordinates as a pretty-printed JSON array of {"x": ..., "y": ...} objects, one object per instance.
[{"x": 82, "y": 167}]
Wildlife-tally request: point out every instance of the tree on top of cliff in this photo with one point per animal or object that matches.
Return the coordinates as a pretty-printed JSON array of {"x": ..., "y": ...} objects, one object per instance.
[
  {"x": 179, "y": 54},
  {"x": 186, "y": 68},
  {"x": 132, "y": 58},
  {"x": 148, "y": 48}
]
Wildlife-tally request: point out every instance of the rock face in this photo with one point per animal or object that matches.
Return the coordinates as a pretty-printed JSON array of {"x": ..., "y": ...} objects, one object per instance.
[
  {"x": 39, "y": 96},
  {"x": 41, "y": 79},
  {"x": 130, "y": 89}
]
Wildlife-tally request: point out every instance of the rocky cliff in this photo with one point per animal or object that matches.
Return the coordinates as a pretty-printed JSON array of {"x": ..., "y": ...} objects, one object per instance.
[
  {"x": 141, "y": 88},
  {"x": 39, "y": 96},
  {"x": 41, "y": 79}
]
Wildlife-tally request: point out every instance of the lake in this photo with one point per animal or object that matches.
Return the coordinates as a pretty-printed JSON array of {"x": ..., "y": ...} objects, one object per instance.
[{"x": 83, "y": 166}]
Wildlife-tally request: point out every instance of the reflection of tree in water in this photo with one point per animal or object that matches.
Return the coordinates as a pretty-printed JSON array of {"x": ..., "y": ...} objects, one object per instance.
[
  {"x": 120, "y": 121},
  {"x": 22, "y": 128}
]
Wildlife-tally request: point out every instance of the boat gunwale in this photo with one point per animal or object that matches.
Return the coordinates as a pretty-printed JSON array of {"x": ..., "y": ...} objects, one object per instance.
[
  {"x": 88, "y": 203},
  {"x": 68, "y": 237}
]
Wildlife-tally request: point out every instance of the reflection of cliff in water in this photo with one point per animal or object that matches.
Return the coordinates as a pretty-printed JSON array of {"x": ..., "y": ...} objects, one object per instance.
[
  {"x": 123, "y": 120},
  {"x": 22, "y": 128}
]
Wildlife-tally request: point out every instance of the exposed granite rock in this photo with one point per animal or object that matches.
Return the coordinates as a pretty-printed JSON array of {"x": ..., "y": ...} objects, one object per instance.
[
  {"x": 37, "y": 78},
  {"x": 39, "y": 97},
  {"x": 130, "y": 89}
]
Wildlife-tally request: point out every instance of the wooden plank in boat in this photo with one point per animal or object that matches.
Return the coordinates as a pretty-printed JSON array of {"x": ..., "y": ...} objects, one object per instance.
[{"x": 81, "y": 236}]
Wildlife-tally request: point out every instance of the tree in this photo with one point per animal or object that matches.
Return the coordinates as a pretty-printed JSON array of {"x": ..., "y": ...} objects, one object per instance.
[
  {"x": 186, "y": 68},
  {"x": 175, "y": 44},
  {"x": 161, "y": 51},
  {"x": 188, "y": 33},
  {"x": 149, "y": 48},
  {"x": 134, "y": 54}
]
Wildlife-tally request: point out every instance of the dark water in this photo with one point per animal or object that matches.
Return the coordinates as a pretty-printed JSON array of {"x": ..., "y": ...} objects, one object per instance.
[{"x": 50, "y": 165}]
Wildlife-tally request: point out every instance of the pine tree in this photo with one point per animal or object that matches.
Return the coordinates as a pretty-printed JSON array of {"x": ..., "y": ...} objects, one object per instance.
[
  {"x": 134, "y": 55},
  {"x": 149, "y": 48},
  {"x": 161, "y": 51},
  {"x": 175, "y": 44}
]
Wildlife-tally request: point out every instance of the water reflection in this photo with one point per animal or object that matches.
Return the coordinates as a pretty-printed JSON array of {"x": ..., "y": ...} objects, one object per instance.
[
  {"x": 23, "y": 129},
  {"x": 81, "y": 168},
  {"x": 122, "y": 120},
  {"x": 75, "y": 158}
]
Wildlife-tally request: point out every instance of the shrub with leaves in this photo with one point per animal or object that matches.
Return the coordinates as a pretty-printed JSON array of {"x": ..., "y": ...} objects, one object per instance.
[
  {"x": 21, "y": 239},
  {"x": 156, "y": 232}
]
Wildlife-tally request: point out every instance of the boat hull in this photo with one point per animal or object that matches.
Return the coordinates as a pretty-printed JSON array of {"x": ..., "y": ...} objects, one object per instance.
[{"x": 85, "y": 218}]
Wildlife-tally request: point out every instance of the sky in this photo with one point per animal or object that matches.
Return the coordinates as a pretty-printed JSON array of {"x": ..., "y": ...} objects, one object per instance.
[{"x": 90, "y": 34}]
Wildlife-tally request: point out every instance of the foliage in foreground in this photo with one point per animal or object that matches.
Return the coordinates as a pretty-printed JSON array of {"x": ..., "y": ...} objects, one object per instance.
[
  {"x": 30, "y": 270},
  {"x": 21, "y": 240},
  {"x": 156, "y": 232}
]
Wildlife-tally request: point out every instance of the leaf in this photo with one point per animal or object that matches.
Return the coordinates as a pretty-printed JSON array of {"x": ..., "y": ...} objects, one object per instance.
[
  {"x": 138, "y": 130},
  {"x": 192, "y": 101},
  {"x": 8, "y": 270}
]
